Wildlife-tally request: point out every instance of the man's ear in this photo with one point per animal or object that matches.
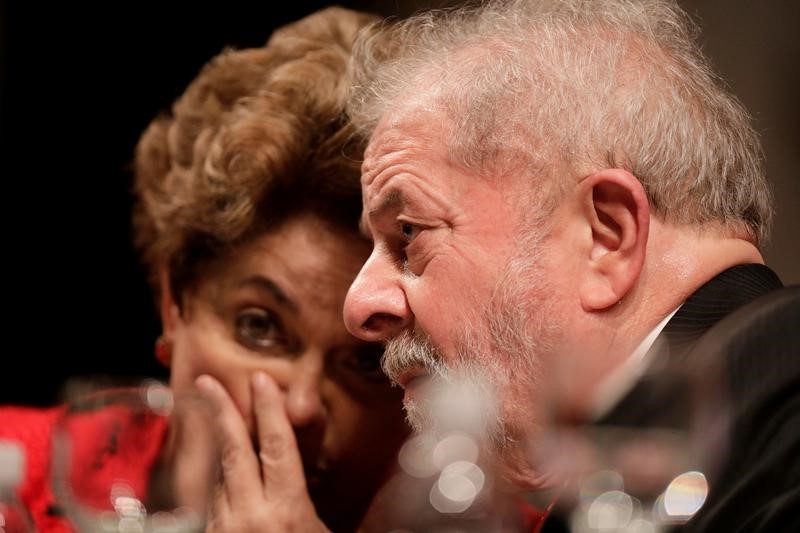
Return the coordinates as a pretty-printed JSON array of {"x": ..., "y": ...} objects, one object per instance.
[{"x": 616, "y": 210}]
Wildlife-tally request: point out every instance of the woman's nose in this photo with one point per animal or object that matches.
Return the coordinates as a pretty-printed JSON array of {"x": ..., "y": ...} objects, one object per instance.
[{"x": 304, "y": 405}]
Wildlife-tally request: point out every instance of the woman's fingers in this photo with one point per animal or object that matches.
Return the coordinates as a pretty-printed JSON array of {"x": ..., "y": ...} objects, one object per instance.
[
  {"x": 271, "y": 496},
  {"x": 281, "y": 465},
  {"x": 240, "y": 470}
]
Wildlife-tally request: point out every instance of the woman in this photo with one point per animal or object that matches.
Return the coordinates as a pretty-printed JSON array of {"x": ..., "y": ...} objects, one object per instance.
[{"x": 247, "y": 206}]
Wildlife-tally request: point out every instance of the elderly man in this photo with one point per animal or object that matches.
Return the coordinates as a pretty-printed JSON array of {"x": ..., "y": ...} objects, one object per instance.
[{"x": 554, "y": 189}]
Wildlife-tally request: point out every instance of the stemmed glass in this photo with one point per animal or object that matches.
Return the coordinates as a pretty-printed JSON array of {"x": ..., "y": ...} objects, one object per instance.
[
  {"x": 646, "y": 463},
  {"x": 136, "y": 458}
]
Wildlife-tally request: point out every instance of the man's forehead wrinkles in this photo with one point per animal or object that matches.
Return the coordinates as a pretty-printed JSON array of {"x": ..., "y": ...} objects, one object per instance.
[
  {"x": 399, "y": 154},
  {"x": 389, "y": 140},
  {"x": 385, "y": 166},
  {"x": 390, "y": 147}
]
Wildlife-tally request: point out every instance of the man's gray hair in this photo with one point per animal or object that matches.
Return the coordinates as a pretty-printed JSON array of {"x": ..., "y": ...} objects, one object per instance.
[{"x": 562, "y": 88}]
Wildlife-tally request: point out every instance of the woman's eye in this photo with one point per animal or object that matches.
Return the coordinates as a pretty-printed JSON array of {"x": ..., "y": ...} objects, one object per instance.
[
  {"x": 258, "y": 327},
  {"x": 366, "y": 362}
]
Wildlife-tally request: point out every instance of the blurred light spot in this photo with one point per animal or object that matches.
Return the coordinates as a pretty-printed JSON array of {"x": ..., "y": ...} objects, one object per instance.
[
  {"x": 466, "y": 469},
  {"x": 609, "y": 511},
  {"x": 453, "y": 493},
  {"x": 685, "y": 495},
  {"x": 658, "y": 510},
  {"x": 130, "y": 525},
  {"x": 108, "y": 521},
  {"x": 455, "y": 447},
  {"x": 598, "y": 483},
  {"x": 163, "y": 520},
  {"x": 640, "y": 525},
  {"x": 124, "y": 500},
  {"x": 159, "y": 399},
  {"x": 457, "y": 488},
  {"x": 120, "y": 488},
  {"x": 463, "y": 404},
  {"x": 416, "y": 456},
  {"x": 129, "y": 507},
  {"x": 188, "y": 518}
]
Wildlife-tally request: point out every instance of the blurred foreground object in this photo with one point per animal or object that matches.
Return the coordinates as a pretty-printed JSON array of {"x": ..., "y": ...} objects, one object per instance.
[
  {"x": 14, "y": 518},
  {"x": 707, "y": 437},
  {"x": 113, "y": 462},
  {"x": 448, "y": 478}
]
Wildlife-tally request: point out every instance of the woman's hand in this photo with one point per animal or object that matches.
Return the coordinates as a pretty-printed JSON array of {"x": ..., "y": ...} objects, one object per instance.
[{"x": 260, "y": 492}]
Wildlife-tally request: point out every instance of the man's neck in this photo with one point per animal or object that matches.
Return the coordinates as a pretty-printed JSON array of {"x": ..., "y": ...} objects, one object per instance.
[
  {"x": 622, "y": 378},
  {"x": 679, "y": 261}
]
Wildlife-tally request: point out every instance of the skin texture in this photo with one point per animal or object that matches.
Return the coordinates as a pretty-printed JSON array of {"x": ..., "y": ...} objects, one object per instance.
[
  {"x": 607, "y": 270},
  {"x": 272, "y": 308}
]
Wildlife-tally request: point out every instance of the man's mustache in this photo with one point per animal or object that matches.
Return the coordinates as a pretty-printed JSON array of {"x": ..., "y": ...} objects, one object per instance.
[{"x": 412, "y": 349}]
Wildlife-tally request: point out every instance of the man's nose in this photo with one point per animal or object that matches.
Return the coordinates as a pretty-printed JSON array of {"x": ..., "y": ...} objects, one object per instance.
[{"x": 376, "y": 308}]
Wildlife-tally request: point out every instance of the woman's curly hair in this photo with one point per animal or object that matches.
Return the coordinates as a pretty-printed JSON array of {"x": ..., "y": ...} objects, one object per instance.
[{"x": 260, "y": 134}]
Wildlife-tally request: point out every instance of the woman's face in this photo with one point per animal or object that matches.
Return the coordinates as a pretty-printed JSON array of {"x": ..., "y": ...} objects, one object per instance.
[{"x": 275, "y": 304}]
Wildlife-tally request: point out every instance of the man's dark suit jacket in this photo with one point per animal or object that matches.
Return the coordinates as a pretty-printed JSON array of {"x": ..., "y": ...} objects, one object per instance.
[{"x": 728, "y": 364}]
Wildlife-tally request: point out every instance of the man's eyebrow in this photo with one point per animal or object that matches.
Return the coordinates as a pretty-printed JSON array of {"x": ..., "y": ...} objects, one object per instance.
[
  {"x": 271, "y": 287},
  {"x": 394, "y": 199}
]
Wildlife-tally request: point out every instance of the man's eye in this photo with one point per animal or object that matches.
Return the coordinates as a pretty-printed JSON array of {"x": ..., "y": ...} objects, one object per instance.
[
  {"x": 409, "y": 231},
  {"x": 259, "y": 328},
  {"x": 366, "y": 362}
]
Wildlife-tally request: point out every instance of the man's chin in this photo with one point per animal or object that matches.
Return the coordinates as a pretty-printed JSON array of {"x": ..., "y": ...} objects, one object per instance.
[{"x": 519, "y": 467}]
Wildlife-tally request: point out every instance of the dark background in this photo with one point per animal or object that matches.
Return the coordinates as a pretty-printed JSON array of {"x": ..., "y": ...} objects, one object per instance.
[{"x": 79, "y": 83}]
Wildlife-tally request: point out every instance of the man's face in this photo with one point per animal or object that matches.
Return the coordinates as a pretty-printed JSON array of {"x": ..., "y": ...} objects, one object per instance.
[{"x": 448, "y": 283}]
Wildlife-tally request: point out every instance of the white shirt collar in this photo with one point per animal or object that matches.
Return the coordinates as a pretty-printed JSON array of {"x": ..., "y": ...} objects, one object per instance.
[{"x": 622, "y": 379}]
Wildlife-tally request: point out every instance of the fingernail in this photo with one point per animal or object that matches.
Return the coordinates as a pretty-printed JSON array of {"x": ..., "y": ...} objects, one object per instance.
[
  {"x": 205, "y": 384},
  {"x": 260, "y": 379}
]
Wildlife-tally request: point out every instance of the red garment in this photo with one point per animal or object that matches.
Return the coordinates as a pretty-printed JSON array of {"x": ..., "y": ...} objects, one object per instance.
[
  {"x": 107, "y": 445},
  {"x": 533, "y": 518}
]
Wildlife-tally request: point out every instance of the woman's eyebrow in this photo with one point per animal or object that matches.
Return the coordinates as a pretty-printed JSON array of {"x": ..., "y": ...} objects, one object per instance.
[{"x": 266, "y": 284}]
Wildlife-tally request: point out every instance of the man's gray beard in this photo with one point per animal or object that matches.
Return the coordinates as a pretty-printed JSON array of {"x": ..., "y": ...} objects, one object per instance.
[{"x": 460, "y": 397}]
